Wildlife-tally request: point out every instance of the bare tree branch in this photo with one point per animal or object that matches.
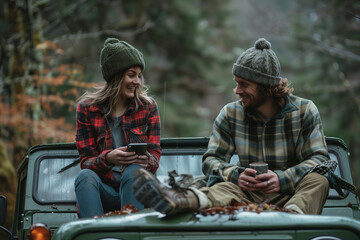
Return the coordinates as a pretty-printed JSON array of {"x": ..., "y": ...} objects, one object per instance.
[
  {"x": 347, "y": 85},
  {"x": 114, "y": 33},
  {"x": 67, "y": 11},
  {"x": 354, "y": 15},
  {"x": 338, "y": 50}
]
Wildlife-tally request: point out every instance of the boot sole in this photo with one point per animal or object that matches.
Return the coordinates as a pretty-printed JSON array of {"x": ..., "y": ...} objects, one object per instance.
[{"x": 146, "y": 189}]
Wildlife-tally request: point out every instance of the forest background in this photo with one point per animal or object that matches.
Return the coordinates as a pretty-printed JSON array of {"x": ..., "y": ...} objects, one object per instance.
[{"x": 49, "y": 56}]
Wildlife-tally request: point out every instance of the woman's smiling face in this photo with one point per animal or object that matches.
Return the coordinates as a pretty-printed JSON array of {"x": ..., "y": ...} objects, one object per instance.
[{"x": 131, "y": 80}]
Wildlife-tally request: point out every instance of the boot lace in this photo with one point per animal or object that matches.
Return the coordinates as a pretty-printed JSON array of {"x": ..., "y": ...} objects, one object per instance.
[{"x": 179, "y": 182}]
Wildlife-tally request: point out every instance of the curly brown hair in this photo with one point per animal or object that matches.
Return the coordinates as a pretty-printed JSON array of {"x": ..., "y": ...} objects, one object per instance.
[{"x": 278, "y": 92}]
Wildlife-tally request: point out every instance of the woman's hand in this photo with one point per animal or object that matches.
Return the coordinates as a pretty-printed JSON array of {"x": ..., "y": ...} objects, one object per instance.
[
  {"x": 119, "y": 156},
  {"x": 142, "y": 160}
]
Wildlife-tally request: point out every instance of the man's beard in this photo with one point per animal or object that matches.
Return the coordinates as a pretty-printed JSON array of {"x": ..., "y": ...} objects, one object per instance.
[{"x": 255, "y": 102}]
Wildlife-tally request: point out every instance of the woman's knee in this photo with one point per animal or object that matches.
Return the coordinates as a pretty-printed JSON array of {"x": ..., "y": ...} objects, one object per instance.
[
  {"x": 129, "y": 172},
  {"x": 86, "y": 176}
]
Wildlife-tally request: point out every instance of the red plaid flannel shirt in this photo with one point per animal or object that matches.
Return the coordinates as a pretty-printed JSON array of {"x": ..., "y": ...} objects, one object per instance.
[{"x": 94, "y": 139}]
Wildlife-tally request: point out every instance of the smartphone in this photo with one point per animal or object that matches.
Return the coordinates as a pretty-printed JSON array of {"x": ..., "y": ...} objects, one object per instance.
[{"x": 139, "y": 148}]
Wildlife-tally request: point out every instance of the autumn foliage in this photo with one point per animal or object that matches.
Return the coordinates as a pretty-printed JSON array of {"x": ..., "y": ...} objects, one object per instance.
[{"x": 44, "y": 110}]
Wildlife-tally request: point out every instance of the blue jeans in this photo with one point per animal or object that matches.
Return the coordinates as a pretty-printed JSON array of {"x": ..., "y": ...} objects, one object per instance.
[{"x": 96, "y": 198}]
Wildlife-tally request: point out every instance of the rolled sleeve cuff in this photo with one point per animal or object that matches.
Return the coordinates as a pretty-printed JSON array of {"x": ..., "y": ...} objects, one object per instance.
[
  {"x": 235, "y": 175},
  {"x": 285, "y": 186},
  {"x": 103, "y": 155}
]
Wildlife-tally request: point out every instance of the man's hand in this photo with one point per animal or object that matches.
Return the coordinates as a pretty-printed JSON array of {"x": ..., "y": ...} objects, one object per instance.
[
  {"x": 266, "y": 182},
  {"x": 269, "y": 182},
  {"x": 247, "y": 181}
]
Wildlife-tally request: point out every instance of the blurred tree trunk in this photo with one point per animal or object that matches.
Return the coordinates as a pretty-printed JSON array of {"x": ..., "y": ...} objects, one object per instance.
[
  {"x": 8, "y": 187},
  {"x": 16, "y": 65},
  {"x": 15, "y": 69},
  {"x": 22, "y": 62},
  {"x": 23, "y": 34}
]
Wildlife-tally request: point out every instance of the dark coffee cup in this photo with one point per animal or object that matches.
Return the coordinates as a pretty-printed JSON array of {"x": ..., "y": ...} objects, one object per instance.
[{"x": 260, "y": 167}]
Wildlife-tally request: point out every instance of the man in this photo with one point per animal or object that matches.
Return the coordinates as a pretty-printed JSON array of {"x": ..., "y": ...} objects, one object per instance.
[{"x": 268, "y": 124}]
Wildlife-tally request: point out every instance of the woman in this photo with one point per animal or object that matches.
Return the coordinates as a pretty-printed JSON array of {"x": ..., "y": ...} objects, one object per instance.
[{"x": 107, "y": 120}]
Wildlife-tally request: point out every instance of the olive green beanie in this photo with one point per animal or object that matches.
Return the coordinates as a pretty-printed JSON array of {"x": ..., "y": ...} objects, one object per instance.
[
  {"x": 258, "y": 64},
  {"x": 117, "y": 56}
]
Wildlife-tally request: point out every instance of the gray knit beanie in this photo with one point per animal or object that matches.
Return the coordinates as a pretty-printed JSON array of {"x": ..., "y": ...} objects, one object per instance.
[
  {"x": 117, "y": 56},
  {"x": 258, "y": 64}
]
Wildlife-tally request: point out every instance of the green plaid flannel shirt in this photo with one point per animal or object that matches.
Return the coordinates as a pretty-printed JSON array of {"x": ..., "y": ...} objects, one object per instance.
[{"x": 292, "y": 142}]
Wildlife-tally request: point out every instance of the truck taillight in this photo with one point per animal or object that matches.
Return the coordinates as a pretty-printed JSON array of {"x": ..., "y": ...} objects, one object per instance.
[{"x": 39, "y": 231}]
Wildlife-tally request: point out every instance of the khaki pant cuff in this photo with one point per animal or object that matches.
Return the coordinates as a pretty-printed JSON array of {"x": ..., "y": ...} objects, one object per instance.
[
  {"x": 295, "y": 208},
  {"x": 203, "y": 199}
]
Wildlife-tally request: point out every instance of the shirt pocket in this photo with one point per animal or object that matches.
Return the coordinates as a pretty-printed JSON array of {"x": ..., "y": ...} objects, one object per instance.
[{"x": 138, "y": 134}]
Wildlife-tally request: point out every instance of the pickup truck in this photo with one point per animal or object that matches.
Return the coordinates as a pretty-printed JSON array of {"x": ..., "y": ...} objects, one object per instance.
[{"x": 46, "y": 203}]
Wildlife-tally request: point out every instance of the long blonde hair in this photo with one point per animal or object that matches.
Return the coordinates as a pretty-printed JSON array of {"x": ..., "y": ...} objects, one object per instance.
[{"x": 110, "y": 93}]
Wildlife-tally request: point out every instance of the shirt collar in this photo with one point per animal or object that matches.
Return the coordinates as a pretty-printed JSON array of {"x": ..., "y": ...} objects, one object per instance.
[{"x": 289, "y": 106}]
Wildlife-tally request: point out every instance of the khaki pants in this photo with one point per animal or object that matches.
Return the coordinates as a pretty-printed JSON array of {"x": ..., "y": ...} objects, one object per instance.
[{"x": 310, "y": 194}]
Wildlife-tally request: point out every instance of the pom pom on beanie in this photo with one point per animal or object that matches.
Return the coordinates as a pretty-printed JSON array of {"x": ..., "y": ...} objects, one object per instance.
[
  {"x": 116, "y": 56},
  {"x": 258, "y": 64}
]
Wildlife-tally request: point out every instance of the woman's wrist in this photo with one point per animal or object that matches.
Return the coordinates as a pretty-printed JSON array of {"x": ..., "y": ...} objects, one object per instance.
[{"x": 107, "y": 158}]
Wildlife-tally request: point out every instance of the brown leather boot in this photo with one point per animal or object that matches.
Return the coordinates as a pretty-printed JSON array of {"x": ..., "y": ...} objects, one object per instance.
[{"x": 151, "y": 193}]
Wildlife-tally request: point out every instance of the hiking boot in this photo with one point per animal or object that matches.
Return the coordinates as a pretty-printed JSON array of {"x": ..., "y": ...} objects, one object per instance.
[{"x": 151, "y": 193}]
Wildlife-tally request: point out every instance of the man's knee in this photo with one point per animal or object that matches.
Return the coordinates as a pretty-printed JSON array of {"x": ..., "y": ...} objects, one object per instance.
[
  {"x": 315, "y": 185},
  {"x": 311, "y": 193},
  {"x": 317, "y": 179},
  {"x": 222, "y": 194}
]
